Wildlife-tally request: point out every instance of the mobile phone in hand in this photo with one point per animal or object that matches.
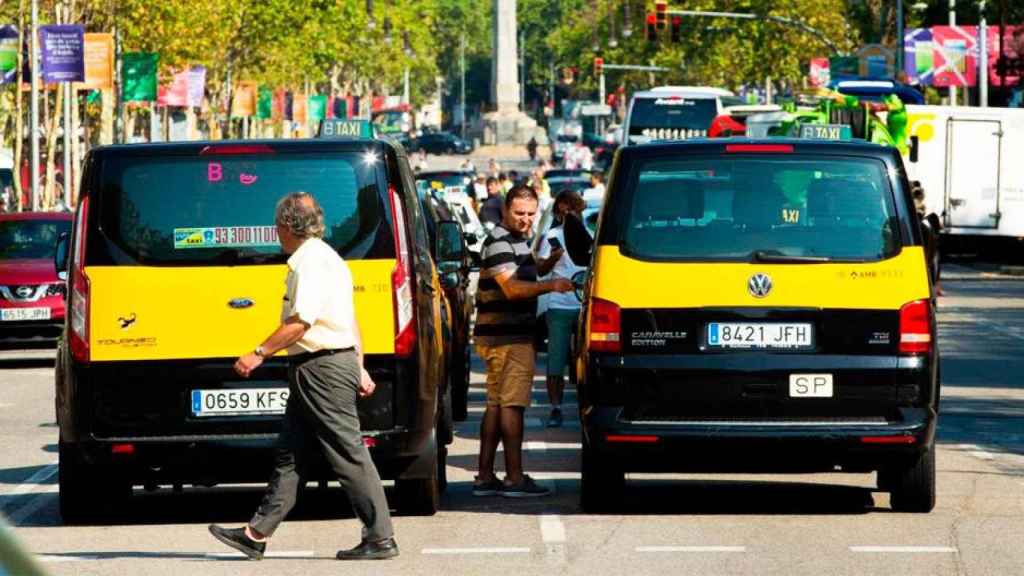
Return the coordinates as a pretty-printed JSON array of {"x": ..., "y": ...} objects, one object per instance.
[{"x": 555, "y": 244}]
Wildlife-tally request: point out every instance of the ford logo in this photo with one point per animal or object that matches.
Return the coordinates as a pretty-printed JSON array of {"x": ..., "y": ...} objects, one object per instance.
[
  {"x": 23, "y": 292},
  {"x": 239, "y": 303},
  {"x": 759, "y": 285}
]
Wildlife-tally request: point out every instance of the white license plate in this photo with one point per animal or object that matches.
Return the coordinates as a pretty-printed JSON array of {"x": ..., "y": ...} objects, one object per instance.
[
  {"x": 15, "y": 314},
  {"x": 759, "y": 335},
  {"x": 239, "y": 401},
  {"x": 810, "y": 386}
]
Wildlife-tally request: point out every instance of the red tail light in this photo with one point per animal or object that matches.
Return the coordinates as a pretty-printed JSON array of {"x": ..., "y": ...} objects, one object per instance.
[
  {"x": 401, "y": 282},
  {"x": 235, "y": 149},
  {"x": 605, "y": 325},
  {"x": 79, "y": 295},
  {"x": 888, "y": 439},
  {"x": 916, "y": 328},
  {"x": 123, "y": 449},
  {"x": 771, "y": 148},
  {"x": 631, "y": 439}
]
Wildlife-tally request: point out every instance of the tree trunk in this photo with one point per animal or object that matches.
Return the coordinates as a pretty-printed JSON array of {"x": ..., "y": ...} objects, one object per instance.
[
  {"x": 50, "y": 193},
  {"x": 19, "y": 120}
]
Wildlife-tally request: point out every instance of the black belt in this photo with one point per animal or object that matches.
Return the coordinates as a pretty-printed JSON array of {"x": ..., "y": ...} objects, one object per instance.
[{"x": 307, "y": 356}]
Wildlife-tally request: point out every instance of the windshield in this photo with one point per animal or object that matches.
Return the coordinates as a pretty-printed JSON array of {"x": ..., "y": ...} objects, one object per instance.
[
  {"x": 761, "y": 209},
  {"x": 219, "y": 209},
  {"x": 672, "y": 117},
  {"x": 30, "y": 239}
]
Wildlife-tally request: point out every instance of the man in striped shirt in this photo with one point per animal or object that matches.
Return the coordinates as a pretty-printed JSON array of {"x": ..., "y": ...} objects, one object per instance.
[{"x": 506, "y": 315}]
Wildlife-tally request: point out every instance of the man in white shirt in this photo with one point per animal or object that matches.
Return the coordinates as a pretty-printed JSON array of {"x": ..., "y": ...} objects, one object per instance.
[{"x": 325, "y": 377}]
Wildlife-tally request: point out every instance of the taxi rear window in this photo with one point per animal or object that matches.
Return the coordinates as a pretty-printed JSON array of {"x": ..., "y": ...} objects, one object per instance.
[
  {"x": 755, "y": 207},
  {"x": 672, "y": 117},
  {"x": 219, "y": 209}
]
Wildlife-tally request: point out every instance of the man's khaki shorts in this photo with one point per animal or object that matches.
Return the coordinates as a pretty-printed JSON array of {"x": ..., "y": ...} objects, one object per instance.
[{"x": 509, "y": 373}]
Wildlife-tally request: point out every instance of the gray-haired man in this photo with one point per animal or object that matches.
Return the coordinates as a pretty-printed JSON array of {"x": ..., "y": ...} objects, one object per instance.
[{"x": 325, "y": 376}]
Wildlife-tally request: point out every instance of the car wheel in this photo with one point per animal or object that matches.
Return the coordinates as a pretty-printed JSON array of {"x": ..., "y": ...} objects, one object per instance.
[
  {"x": 422, "y": 496},
  {"x": 84, "y": 495},
  {"x": 913, "y": 486},
  {"x": 602, "y": 484}
]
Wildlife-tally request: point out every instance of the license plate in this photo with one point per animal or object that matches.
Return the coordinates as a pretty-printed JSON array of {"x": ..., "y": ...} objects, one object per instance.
[
  {"x": 759, "y": 335},
  {"x": 810, "y": 386},
  {"x": 15, "y": 314},
  {"x": 239, "y": 401}
]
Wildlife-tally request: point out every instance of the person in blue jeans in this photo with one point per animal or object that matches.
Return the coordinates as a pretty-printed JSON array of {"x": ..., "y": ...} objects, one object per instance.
[{"x": 563, "y": 309}]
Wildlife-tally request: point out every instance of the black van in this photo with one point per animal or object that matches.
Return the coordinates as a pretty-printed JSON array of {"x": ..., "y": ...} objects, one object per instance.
[{"x": 175, "y": 270}]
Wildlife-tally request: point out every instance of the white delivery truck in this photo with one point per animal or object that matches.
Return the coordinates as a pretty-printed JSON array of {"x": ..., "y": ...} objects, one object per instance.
[{"x": 970, "y": 162}]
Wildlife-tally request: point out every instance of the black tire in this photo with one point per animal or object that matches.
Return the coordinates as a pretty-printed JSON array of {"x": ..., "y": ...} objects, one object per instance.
[
  {"x": 422, "y": 496},
  {"x": 913, "y": 487},
  {"x": 602, "y": 484},
  {"x": 84, "y": 494}
]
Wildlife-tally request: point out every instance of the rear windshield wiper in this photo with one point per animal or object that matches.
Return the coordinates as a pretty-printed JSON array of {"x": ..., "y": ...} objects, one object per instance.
[{"x": 780, "y": 258}]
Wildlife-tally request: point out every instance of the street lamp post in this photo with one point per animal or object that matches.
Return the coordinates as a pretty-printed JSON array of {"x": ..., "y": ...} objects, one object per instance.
[
  {"x": 899, "y": 36},
  {"x": 34, "y": 124},
  {"x": 462, "y": 83}
]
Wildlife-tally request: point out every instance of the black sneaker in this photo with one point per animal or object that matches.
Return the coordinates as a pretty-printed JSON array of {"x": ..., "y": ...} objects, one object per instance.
[
  {"x": 492, "y": 487},
  {"x": 555, "y": 419},
  {"x": 236, "y": 538},
  {"x": 527, "y": 488},
  {"x": 368, "y": 550}
]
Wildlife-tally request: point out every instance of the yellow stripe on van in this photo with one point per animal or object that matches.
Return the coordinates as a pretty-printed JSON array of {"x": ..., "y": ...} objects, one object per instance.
[
  {"x": 884, "y": 285},
  {"x": 163, "y": 313}
]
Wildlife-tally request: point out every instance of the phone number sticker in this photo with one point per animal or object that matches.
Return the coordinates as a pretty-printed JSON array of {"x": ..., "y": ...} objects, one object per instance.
[{"x": 225, "y": 236}]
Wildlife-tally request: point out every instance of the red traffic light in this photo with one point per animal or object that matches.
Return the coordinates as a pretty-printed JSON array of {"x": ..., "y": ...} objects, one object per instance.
[
  {"x": 677, "y": 27},
  {"x": 661, "y": 9},
  {"x": 598, "y": 66},
  {"x": 652, "y": 28}
]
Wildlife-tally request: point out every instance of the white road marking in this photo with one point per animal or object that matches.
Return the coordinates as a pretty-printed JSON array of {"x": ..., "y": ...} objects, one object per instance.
[
  {"x": 982, "y": 455},
  {"x": 691, "y": 548},
  {"x": 1010, "y": 331},
  {"x": 55, "y": 558},
  {"x": 274, "y": 554},
  {"x": 32, "y": 482},
  {"x": 476, "y": 551},
  {"x": 535, "y": 446},
  {"x": 551, "y": 529},
  {"x": 904, "y": 549}
]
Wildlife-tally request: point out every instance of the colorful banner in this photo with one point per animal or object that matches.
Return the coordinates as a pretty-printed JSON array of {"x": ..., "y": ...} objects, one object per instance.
[
  {"x": 196, "y": 86},
  {"x": 317, "y": 109},
  {"x": 244, "y": 101},
  {"x": 945, "y": 56},
  {"x": 176, "y": 93},
  {"x": 8, "y": 53},
  {"x": 99, "y": 62},
  {"x": 138, "y": 71},
  {"x": 265, "y": 103},
  {"x": 819, "y": 72},
  {"x": 955, "y": 56},
  {"x": 1013, "y": 47},
  {"x": 277, "y": 105},
  {"x": 299, "y": 109},
  {"x": 62, "y": 47}
]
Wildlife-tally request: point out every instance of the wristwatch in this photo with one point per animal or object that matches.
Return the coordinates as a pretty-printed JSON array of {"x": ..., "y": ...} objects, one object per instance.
[{"x": 259, "y": 351}]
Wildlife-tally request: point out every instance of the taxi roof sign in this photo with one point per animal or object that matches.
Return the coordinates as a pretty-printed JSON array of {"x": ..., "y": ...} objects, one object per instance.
[
  {"x": 838, "y": 132},
  {"x": 337, "y": 128}
]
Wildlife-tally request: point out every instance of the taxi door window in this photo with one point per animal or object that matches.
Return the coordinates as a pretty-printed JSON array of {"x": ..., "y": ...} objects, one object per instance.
[{"x": 733, "y": 208}]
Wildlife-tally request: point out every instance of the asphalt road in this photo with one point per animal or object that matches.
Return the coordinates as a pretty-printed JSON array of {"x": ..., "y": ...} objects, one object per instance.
[{"x": 679, "y": 524}]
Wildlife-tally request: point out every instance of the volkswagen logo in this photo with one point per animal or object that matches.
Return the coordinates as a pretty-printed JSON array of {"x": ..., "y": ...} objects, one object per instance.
[
  {"x": 23, "y": 292},
  {"x": 759, "y": 285},
  {"x": 239, "y": 303}
]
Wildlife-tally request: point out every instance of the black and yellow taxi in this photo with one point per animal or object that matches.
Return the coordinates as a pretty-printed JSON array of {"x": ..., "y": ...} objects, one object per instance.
[
  {"x": 759, "y": 305},
  {"x": 175, "y": 270}
]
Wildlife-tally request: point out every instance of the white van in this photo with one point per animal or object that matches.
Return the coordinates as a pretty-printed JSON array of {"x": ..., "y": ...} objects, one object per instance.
[
  {"x": 674, "y": 113},
  {"x": 968, "y": 161}
]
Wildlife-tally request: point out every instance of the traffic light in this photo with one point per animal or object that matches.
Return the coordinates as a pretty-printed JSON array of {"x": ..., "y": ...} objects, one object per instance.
[
  {"x": 677, "y": 28},
  {"x": 661, "y": 9},
  {"x": 652, "y": 29},
  {"x": 598, "y": 66}
]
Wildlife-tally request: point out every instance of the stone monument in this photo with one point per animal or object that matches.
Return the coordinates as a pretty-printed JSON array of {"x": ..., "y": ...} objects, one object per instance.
[{"x": 507, "y": 124}]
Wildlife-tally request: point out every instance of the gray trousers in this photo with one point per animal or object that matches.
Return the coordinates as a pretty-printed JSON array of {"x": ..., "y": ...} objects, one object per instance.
[{"x": 321, "y": 416}]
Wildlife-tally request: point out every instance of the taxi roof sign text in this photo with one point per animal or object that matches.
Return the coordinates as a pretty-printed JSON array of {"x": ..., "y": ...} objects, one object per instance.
[{"x": 335, "y": 128}]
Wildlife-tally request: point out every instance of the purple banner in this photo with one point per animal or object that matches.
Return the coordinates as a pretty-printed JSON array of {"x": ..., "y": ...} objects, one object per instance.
[
  {"x": 63, "y": 50},
  {"x": 196, "y": 85}
]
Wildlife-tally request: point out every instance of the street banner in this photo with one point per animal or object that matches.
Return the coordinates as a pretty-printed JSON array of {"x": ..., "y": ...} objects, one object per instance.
[
  {"x": 277, "y": 105},
  {"x": 299, "y": 109},
  {"x": 340, "y": 108},
  {"x": 946, "y": 56},
  {"x": 196, "y": 86},
  {"x": 265, "y": 103},
  {"x": 63, "y": 52},
  {"x": 955, "y": 56},
  {"x": 99, "y": 62},
  {"x": 819, "y": 72},
  {"x": 317, "y": 108},
  {"x": 289, "y": 106},
  {"x": 843, "y": 66},
  {"x": 8, "y": 53},
  {"x": 1013, "y": 46},
  {"x": 138, "y": 71},
  {"x": 244, "y": 101},
  {"x": 176, "y": 93}
]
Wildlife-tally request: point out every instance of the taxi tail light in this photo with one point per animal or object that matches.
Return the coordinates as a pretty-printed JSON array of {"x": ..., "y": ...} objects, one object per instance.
[
  {"x": 123, "y": 449},
  {"x": 401, "y": 282},
  {"x": 760, "y": 148},
  {"x": 915, "y": 328},
  {"x": 235, "y": 149},
  {"x": 605, "y": 326},
  {"x": 80, "y": 288}
]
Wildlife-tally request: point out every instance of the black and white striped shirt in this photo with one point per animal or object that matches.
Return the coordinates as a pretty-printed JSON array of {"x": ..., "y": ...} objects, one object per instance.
[{"x": 500, "y": 320}]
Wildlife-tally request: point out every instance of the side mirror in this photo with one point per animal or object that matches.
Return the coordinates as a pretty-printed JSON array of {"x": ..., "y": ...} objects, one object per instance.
[
  {"x": 914, "y": 148},
  {"x": 451, "y": 246},
  {"x": 60, "y": 257}
]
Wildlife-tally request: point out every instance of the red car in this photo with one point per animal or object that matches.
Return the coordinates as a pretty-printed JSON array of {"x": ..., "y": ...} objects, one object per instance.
[{"x": 31, "y": 294}]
